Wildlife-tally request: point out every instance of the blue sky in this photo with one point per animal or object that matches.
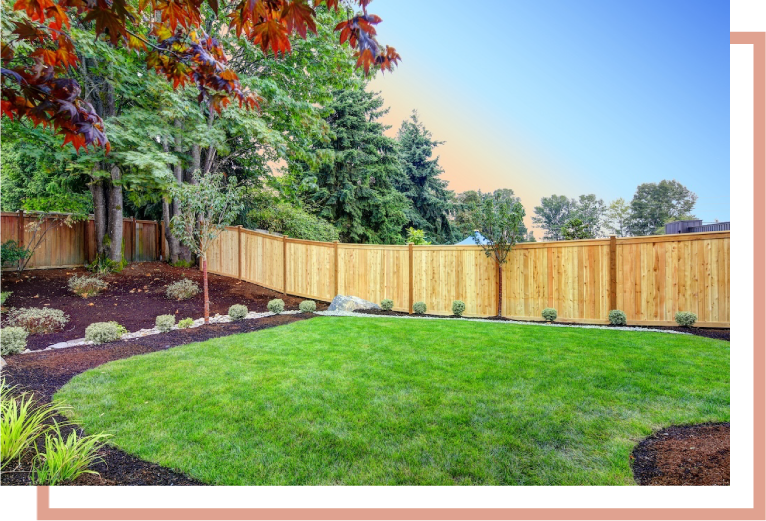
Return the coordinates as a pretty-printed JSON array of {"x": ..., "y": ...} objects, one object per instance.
[{"x": 567, "y": 96}]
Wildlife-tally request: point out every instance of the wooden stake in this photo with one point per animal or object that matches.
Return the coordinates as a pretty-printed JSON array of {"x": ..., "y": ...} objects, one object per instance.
[{"x": 412, "y": 281}]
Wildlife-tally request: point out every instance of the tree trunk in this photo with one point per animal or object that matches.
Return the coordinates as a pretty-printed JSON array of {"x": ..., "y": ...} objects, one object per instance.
[
  {"x": 499, "y": 289},
  {"x": 172, "y": 241},
  {"x": 99, "y": 214},
  {"x": 184, "y": 253},
  {"x": 204, "y": 289},
  {"x": 115, "y": 216}
]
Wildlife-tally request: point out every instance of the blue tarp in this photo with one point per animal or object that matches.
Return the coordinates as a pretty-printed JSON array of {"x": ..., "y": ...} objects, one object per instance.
[{"x": 469, "y": 241}]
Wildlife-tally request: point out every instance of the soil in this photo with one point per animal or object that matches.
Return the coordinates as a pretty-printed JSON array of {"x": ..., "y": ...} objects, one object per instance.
[
  {"x": 719, "y": 334},
  {"x": 45, "y": 372},
  {"x": 133, "y": 298},
  {"x": 684, "y": 455}
]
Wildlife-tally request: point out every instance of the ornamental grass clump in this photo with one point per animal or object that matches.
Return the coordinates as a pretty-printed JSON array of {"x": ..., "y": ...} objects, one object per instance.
[
  {"x": 22, "y": 420},
  {"x": 64, "y": 460},
  {"x": 183, "y": 289},
  {"x": 419, "y": 307},
  {"x": 458, "y": 308},
  {"x": 237, "y": 312},
  {"x": 550, "y": 314},
  {"x": 103, "y": 332},
  {"x": 13, "y": 340},
  {"x": 618, "y": 318},
  {"x": 165, "y": 323},
  {"x": 686, "y": 318},
  {"x": 276, "y": 306},
  {"x": 386, "y": 304},
  {"x": 185, "y": 323},
  {"x": 87, "y": 285},
  {"x": 37, "y": 320},
  {"x": 307, "y": 306}
]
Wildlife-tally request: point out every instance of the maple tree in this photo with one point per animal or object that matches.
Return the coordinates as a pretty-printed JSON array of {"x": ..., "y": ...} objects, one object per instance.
[{"x": 37, "y": 85}]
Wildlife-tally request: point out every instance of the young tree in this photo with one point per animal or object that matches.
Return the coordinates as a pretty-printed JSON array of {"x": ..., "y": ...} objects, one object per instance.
[
  {"x": 590, "y": 211},
  {"x": 616, "y": 218},
  {"x": 552, "y": 213},
  {"x": 419, "y": 181},
  {"x": 468, "y": 202},
  {"x": 575, "y": 229},
  {"x": 206, "y": 207},
  {"x": 499, "y": 220},
  {"x": 654, "y": 204}
]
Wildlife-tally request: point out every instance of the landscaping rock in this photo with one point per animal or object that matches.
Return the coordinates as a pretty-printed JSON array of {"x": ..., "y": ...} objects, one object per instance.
[{"x": 350, "y": 303}]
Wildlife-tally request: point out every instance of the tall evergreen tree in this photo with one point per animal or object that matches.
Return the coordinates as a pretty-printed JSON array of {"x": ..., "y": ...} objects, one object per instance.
[
  {"x": 354, "y": 187},
  {"x": 419, "y": 181}
]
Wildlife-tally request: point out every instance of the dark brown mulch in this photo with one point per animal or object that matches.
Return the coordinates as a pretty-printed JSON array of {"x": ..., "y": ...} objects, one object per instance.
[
  {"x": 719, "y": 334},
  {"x": 47, "y": 371},
  {"x": 134, "y": 297},
  {"x": 684, "y": 455}
]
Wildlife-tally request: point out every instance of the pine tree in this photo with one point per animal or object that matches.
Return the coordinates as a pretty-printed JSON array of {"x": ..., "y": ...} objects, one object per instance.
[{"x": 420, "y": 182}]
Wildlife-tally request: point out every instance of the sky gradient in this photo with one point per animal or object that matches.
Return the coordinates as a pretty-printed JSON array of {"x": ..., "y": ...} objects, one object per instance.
[{"x": 567, "y": 97}]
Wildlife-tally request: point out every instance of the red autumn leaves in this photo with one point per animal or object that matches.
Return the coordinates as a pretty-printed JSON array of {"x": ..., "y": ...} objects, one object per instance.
[{"x": 177, "y": 47}]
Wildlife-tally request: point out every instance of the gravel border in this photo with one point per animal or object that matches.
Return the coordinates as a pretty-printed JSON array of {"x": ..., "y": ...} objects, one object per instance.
[{"x": 221, "y": 319}]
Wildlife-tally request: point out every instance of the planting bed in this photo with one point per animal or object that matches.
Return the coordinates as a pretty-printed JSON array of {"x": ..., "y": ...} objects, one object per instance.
[
  {"x": 45, "y": 372},
  {"x": 718, "y": 334},
  {"x": 133, "y": 298}
]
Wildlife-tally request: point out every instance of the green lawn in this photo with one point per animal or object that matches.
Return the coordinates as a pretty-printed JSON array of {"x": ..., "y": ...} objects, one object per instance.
[{"x": 363, "y": 401}]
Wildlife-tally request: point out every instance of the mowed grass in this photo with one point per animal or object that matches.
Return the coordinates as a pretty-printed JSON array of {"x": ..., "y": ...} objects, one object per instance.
[{"x": 380, "y": 401}]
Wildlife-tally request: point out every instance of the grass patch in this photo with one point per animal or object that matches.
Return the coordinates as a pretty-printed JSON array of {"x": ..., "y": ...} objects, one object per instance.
[{"x": 362, "y": 401}]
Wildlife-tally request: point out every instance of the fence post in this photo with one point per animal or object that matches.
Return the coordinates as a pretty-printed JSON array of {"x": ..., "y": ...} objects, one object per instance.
[
  {"x": 239, "y": 252},
  {"x": 284, "y": 264},
  {"x": 612, "y": 272},
  {"x": 412, "y": 281},
  {"x": 21, "y": 233},
  {"x": 158, "y": 250},
  {"x": 335, "y": 246},
  {"x": 86, "y": 240},
  {"x": 135, "y": 238}
]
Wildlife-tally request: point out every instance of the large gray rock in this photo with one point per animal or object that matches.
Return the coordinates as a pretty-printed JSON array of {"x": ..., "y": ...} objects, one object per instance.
[{"x": 344, "y": 303}]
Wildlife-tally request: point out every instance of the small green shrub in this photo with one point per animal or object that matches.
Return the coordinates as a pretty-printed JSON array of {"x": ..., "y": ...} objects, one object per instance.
[
  {"x": 182, "y": 290},
  {"x": 4, "y": 296},
  {"x": 22, "y": 420},
  {"x": 63, "y": 461},
  {"x": 550, "y": 314},
  {"x": 686, "y": 318},
  {"x": 458, "y": 307},
  {"x": 37, "y": 320},
  {"x": 237, "y": 312},
  {"x": 102, "y": 332},
  {"x": 182, "y": 264},
  {"x": 12, "y": 253},
  {"x": 13, "y": 340},
  {"x": 86, "y": 286},
  {"x": 419, "y": 307},
  {"x": 386, "y": 304},
  {"x": 276, "y": 306},
  {"x": 618, "y": 318},
  {"x": 307, "y": 306},
  {"x": 186, "y": 323},
  {"x": 165, "y": 322},
  {"x": 103, "y": 264}
]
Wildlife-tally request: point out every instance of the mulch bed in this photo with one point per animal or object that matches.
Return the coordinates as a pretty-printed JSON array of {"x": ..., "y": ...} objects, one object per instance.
[
  {"x": 133, "y": 298},
  {"x": 45, "y": 372},
  {"x": 684, "y": 455},
  {"x": 719, "y": 334}
]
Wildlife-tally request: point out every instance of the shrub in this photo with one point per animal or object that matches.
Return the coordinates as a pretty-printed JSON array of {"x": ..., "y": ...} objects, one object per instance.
[
  {"x": 307, "y": 306},
  {"x": 13, "y": 253},
  {"x": 37, "y": 320},
  {"x": 686, "y": 318},
  {"x": 102, "y": 332},
  {"x": 458, "y": 307},
  {"x": 165, "y": 322},
  {"x": 13, "y": 340},
  {"x": 63, "y": 461},
  {"x": 386, "y": 304},
  {"x": 237, "y": 312},
  {"x": 22, "y": 420},
  {"x": 4, "y": 296},
  {"x": 182, "y": 290},
  {"x": 617, "y": 317},
  {"x": 86, "y": 286},
  {"x": 186, "y": 323},
  {"x": 550, "y": 314},
  {"x": 289, "y": 220},
  {"x": 276, "y": 306},
  {"x": 419, "y": 307}
]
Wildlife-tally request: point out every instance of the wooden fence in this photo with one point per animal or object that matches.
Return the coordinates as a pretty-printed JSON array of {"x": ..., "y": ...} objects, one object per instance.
[
  {"x": 649, "y": 278},
  {"x": 72, "y": 246}
]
